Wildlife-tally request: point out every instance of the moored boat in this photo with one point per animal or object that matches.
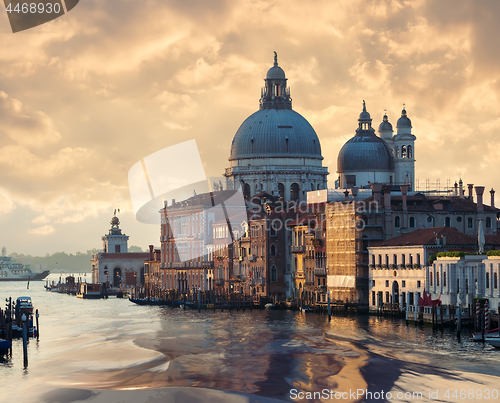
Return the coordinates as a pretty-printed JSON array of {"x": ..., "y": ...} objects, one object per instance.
[
  {"x": 494, "y": 340},
  {"x": 90, "y": 291},
  {"x": 5, "y": 345},
  {"x": 146, "y": 301}
]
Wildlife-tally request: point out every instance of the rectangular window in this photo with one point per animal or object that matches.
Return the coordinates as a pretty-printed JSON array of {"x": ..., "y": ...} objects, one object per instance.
[
  {"x": 487, "y": 280},
  {"x": 412, "y": 299},
  {"x": 387, "y": 296},
  {"x": 373, "y": 283},
  {"x": 117, "y": 248},
  {"x": 418, "y": 283},
  {"x": 373, "y": 297},
  {"x": 380, "y": 259},
  {"x": 418, "y": 258},
  {"x": 395, "y": 259},
  {"x": 403, "y": 284},
  {"x": 387, "y": 283}
]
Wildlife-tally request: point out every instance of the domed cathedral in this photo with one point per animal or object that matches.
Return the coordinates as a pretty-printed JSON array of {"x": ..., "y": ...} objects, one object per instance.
[
  {"x": 276, "y": 150},
  {"x": 367, "y": 158}
]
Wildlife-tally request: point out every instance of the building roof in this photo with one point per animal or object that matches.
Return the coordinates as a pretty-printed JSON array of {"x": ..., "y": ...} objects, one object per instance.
[
  {"x": 275, "y": 133},
  {"x": 420, "y": 203},
  {"x": 428, "y": 236}
]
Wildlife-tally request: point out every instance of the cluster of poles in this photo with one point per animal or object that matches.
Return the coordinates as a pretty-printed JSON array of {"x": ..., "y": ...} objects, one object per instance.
[{"x": 13, "y": 319}]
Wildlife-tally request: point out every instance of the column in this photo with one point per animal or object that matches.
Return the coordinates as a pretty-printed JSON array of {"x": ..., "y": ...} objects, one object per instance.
[{"x": 287, "y": 189}]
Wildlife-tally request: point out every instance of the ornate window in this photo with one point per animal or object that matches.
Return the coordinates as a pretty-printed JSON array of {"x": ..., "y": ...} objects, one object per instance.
[
  {"x": 403, "y": 151},
  {"x": 274, "y": 274},
  {"x": 410, "y": 152}
]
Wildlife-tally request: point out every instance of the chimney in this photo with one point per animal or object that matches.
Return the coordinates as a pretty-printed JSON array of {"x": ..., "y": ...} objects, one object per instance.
[
  {"x": 376, "y": 190},
  {"x": 387, "y": 198},
  {"x": 151, "y": 248},
  {"x": 479, "y": 194},
  {"x": 455, "y": 191},
  {"x": 470, "y": 186},
  {"x": 346, "y": 193},
  {"x": 492, "y": 193},
  {"x": 461, "y": 188},
  {"x": 354, "y": 192},
  {"x": 157, "y": 255},
  {"x": 404, "y": 192}
]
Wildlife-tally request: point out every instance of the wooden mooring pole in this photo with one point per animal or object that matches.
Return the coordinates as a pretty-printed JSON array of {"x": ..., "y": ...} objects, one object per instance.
[{"x": 37, "y": 326}]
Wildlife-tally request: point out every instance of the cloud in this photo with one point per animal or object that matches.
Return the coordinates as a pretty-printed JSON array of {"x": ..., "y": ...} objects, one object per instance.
[
  {"x": 43, "y": 230},
  {"x": 24, "y": 126}
]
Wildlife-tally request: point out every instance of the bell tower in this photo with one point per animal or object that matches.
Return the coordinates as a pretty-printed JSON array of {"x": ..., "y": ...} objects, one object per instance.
[
  {"x": 115, "y": 241},
  {"x": 275, "y": 94},
  {"x": 404, "y": 152}
]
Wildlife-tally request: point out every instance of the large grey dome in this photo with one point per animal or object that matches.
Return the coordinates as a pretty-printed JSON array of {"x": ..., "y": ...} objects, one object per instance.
[
  {"x": 365, "y": 153},
  {"x": 275, "y": 133}
]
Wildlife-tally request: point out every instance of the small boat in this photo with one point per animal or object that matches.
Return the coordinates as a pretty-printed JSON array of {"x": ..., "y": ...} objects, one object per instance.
[
  {"x": 5, "y": 345},
  {"x": 271, "y": 306},
  {"x": 24, "y": 305},
  {"x": 306, "y": 309},
  {"x": 494, "y": 340},
  {"x": 89, "y": 291},
  {"x": 478, "y": 336},
  {"x": 152, "y": 301}
]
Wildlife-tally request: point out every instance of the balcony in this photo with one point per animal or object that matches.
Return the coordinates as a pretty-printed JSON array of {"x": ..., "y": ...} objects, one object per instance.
[
  {"x": 318, "y": 271},
  {"x": 219, "y": 282},
  {"x": 299, "y": 249}
]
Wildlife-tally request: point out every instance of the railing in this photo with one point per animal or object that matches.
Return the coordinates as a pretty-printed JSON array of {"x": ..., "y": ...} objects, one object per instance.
[
  {"x": 298, "y": 249},
  {"x": 318, "y": 271},
  {"x": 187, "y": 265}
]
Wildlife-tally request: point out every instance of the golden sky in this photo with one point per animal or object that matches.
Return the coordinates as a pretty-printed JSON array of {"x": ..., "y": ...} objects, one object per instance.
[{"x": 86, "y": 96}]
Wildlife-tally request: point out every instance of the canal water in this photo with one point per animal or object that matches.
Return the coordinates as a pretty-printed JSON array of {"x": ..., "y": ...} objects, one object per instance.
[{"x": 115, "y": 351}]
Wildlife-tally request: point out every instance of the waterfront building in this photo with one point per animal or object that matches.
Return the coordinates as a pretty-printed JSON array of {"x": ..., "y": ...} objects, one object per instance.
[
  {"x": 460, "y": 280},
  {"x": 357, "y": 218},
  {"x": 115, "y": 265},
  {"x": 276, "y": 150},
  {"x": 398, "y": 266}
]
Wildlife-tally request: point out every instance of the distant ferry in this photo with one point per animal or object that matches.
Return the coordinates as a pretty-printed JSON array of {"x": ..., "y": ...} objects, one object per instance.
[{"x": 13, "y": 271}]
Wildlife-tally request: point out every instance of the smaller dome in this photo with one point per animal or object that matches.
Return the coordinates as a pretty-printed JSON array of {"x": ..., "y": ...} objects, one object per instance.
[
  {"x": 275, "y": 72},
  {"x": 115, "y": 221},
  {"x": 385, "y": 126},
  {"x": 403, "y": 121}
]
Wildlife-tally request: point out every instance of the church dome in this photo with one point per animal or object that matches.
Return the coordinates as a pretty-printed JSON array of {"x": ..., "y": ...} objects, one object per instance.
[
  {"x": 365, "y": 151},
  {"x": 403, "y": 121},
  {"x": 275, "y": 133},
  {"x": 369, "y": 154},
  {"x": 385, "y": 126}
]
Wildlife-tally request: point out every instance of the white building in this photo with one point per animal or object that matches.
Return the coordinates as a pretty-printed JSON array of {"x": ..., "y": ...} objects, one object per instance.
[
  {"x": 398, "y": 266},
  {"x": 115, "y": 265},
  {"x": 276, "y": 150},
  {"x": 459, "y": 280}
]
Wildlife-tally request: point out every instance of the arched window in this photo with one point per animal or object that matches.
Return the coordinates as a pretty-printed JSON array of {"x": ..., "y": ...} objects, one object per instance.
[
  {"x": 470, "y": 222},
  {"x": 412, "y": 222},
  {"x": 246, "y": 190},
  {"x": 488, "y": 222},
  {"x": 447, "y": 222},
  {"x": 397, "y": 152},
  {"x": 273, "y": 250},
  {"x": 294, "y": 191},
  {"x": 410, "y": 152},
  {"x": 274, "y": 274},
  {"x": 281, "y": 189},
  {"x": 397, "y": 221},
  {"x": 487, "y": 280},
  {"x": 403, "y": 151}
]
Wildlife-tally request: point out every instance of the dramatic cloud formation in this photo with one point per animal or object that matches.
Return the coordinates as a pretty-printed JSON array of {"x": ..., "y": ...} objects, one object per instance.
[{"x": 86, "y": 96}]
